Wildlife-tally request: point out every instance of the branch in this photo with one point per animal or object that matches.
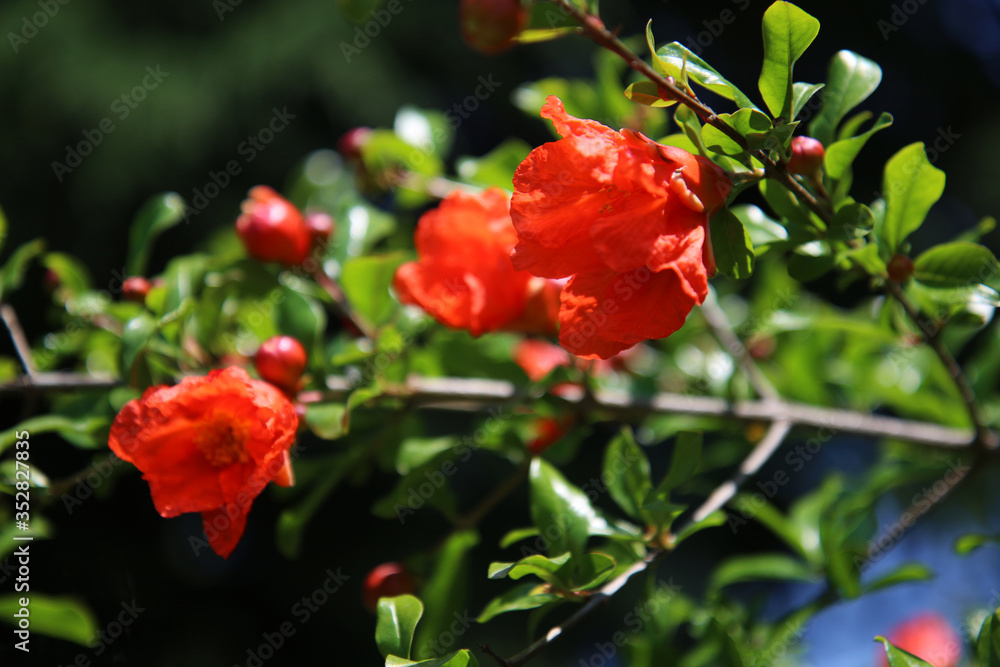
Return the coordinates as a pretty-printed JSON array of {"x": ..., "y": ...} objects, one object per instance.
[
  {"x": 56, "y": 382},
  {"x": 595, "y": 30},
  {"x": 20, "y": 341},
  {"x": 341, "y": 306},
  {"x": 985, "y": 438},
  {"x": 475, "y": 394}
]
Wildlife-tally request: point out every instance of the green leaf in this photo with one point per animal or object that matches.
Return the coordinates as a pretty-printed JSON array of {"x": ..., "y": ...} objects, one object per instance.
[
  {"x": 958, "y": 264},
  {"x": 988, "y": 641},
  {"x": 713, "y": 520},
  {"x": 850, "y": 222},
  {"x": 732, "y": 245},
  {"x": 684, "y": 461},
  {"x": 59, "y": 617},
  {"x": 900, "y": 658},
  {"x": 497, "y": 167},
  {"x": 626, "y": 469},
  {"x": 397, "y": 621},
  {"x": 801, "y": 94},
  {"x": 850, "y": 80},
  {"x": 525, "y": 596},
  {"x": 678, "y": 61},
  {"x": 12, "y": 273},
  {"x": 559, "y": 509},
  {"x": 788, "y": 31},
  {"x": 904, "y": 573},
  {"x": 536, "y": 564},
  {"x": 461, "y": 658},
  {"x": 841, "y": 154},
  {"x": 366, "y": 281},
  {"x": 326, "y": 419},
  {"x": 592, "y": 570},
  {"x": 793, "y": 214},
  {"x": 135, "y": 336},
  {"x": 648, "y": 94},
  {"x": 968, "y": 543},
  {"x": 763, "y": 230},
  {"x": 911, "y": 186},
  {"x": 446, "y": 586},
  {"x": 89, "y": 431},
  {"x": 158, "y": 214},
  {"x": 72, "y": 273},
  {"x": 772, "y": 566},
  {"x": 302, "y": 318}
]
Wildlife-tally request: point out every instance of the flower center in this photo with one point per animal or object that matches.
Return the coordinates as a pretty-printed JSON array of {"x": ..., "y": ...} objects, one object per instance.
[{"x": 222, "y": 442}]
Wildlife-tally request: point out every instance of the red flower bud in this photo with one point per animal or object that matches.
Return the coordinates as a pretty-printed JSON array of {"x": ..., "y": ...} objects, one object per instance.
[
  {"x": 281, "y": 361},
  {"x": 490, "y": 26},
  {"x": 135, "y": 288},
  {"x": 351, "y": 142},
  {"x": 386, "y": 581},
  {"x": 272, "y": 229},
  {"x": 929, "y": 637},
  {"x": 807, "y": 156},
  {"x": 50, "y": 281},
  {"x": 900, "y": 268}
]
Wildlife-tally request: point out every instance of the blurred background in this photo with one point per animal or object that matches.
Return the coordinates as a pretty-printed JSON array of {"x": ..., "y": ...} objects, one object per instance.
[{"x": 107, "y": 103}]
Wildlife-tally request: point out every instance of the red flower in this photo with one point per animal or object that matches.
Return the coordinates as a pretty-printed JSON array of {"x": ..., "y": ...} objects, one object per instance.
[
  {"x": 272, "y": 229},
  {"x": 548, "y": 431},
  {"x": 209, "y": 444},
  {"x": 464, "y": 276},
  {"x": 928, "y": 636},
  {"x": 627, "y": 218}
]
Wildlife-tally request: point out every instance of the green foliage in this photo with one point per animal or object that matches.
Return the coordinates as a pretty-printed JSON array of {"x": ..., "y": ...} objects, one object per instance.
[{"x": 788, "y": 32}]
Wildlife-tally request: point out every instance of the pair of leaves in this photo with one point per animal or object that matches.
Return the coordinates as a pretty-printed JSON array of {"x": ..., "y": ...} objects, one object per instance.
[{"x": 394, "y": 630}]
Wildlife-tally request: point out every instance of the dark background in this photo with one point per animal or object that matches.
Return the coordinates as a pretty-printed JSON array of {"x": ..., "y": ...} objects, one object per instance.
[{"x": 941, "y": 75}]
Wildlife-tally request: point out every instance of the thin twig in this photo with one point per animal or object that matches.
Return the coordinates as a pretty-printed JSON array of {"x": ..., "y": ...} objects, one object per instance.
[
  {"x": 760, "y": 454},
  {"x": 985, "y": 438},
  {"x": 342, "y": 307},
  {"x": 719, "y": 324},
  {"x": 21, "y": 344},
  {"x": 56, "y": 382}
]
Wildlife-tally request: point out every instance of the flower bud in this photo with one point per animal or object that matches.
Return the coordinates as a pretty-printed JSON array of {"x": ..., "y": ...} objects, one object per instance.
[
  {"x": 807, "y": 156},
  {"x": 386, "y": 581},
  {"x": 490, "y": 26},
  {"x": 135, "y": 288},
  {"x": 272, "y": 229},
  {"x": 900, "y": 268},
  {"x": 351, "y": 142},
  {"x": 281, "y": 361}
]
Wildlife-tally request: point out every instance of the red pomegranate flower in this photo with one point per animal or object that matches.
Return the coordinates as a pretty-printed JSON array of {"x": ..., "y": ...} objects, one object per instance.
[
  {"x": 464, "y": 276},
  {"x": 272, "y": 229},
  {"x": 209, "y": 444},
  {"x": 627, "y": 219},
  {"x": 929, "y": 636}
]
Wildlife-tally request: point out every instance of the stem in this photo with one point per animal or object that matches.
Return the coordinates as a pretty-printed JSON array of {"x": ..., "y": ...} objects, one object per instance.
[
  {"x": 719, "y": 324},
  {"x": 985, "y": 438},
  {"x": 20, "y": 340},
  {"x": 341, "y": 306}
]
